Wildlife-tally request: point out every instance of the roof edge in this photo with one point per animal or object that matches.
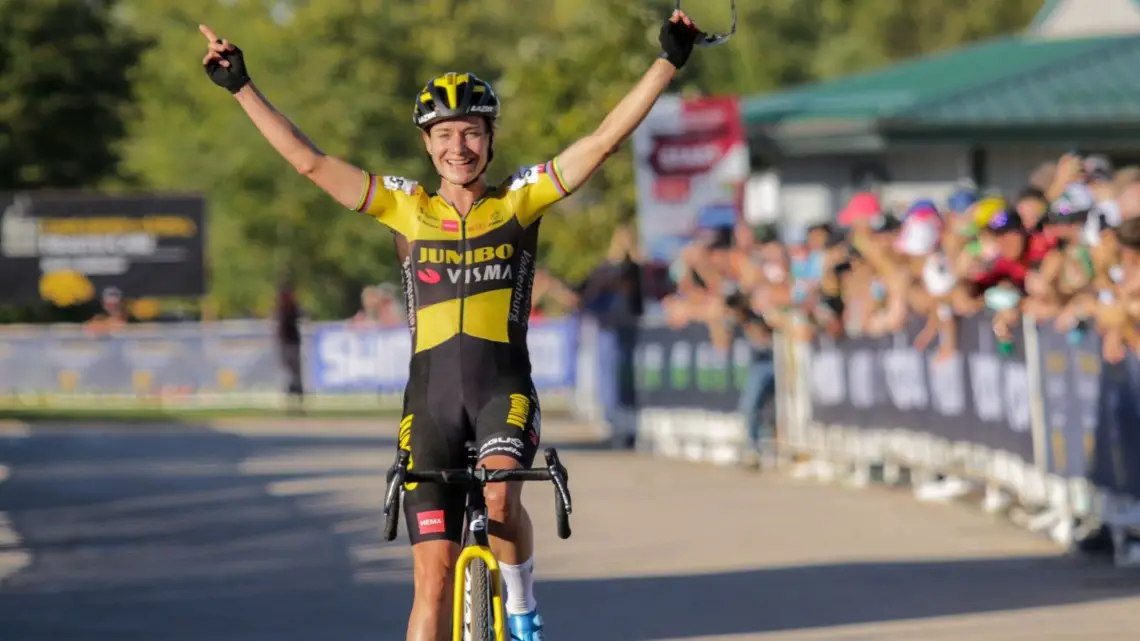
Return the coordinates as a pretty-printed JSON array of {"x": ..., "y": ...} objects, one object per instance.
[
  {"x": 1096, "y": 47},
  {"x": 803, "y": 90}
]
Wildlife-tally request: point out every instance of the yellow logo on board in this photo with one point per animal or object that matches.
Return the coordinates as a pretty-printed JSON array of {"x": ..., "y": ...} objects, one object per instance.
[{"x": 65, "y": 288}]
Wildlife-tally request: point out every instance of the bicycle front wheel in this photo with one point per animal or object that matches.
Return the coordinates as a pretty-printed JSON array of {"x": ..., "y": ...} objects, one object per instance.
[{"x": 479, "y": 614}]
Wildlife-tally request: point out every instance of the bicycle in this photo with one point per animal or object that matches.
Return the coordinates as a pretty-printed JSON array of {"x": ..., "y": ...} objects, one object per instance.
[{"x": 482, "y": 593}]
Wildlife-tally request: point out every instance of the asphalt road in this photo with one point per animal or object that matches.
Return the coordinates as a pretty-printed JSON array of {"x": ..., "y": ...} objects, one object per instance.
[{"x": 271, "y": 533}]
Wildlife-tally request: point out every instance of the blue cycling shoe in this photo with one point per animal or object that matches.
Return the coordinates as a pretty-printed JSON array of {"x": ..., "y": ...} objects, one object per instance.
[{"x": 525, "y": 627}]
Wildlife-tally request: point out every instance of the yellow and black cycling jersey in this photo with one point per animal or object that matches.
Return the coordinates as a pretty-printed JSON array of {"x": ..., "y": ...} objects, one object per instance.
[{"x": 467, "y": 279}]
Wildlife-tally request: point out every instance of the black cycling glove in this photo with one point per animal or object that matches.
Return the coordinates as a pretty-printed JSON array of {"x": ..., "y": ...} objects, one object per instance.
[
  {"x": 677, "y": 42},
  {"x": 233, "y": 77}
]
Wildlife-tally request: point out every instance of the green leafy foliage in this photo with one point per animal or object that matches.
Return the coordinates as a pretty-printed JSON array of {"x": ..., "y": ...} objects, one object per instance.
[
  {"x": 62, "y": 90},
  {"x": 345, "y": 72}
]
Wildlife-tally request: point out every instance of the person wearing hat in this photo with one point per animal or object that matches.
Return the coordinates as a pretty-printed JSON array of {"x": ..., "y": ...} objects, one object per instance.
[
  {"x": 1010, "y": 250},
  {"x": 1071, "y": 269},
  {"x": 932, "y": 281}
]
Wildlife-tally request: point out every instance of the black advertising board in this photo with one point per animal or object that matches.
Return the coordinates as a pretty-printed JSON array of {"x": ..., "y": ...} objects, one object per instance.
[{"x": 65, "y": 248}]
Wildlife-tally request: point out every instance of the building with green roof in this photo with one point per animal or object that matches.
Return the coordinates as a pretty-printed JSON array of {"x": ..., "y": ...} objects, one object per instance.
[{"x": 991, "y": 111}]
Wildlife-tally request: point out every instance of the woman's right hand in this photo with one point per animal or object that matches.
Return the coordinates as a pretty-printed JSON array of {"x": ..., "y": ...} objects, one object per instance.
[{"x": 224, "y": 62}]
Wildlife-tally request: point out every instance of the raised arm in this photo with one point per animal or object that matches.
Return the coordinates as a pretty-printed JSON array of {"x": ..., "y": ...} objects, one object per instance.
[
  {"x": 580, "y": 160},
  {"x": 225, "y": 65}
]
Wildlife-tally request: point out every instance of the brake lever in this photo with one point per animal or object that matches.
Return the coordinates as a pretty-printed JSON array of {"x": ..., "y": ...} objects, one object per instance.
[
  {"x": 395, "y": 480},
  {"x": 705, "y": 39},
  {"x": 560, "y": 477}
]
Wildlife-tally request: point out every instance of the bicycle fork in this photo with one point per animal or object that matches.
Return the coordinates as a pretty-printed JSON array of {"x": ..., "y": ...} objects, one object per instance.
[
  {"x": 480, "y": 550},
  {"x": 468, "y": 555}
]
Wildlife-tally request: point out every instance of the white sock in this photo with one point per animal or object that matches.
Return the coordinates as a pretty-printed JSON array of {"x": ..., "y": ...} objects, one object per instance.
[{"x": 519, "y": 581}]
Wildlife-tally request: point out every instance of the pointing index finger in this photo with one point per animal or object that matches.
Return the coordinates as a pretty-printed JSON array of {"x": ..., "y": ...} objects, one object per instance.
[{"x": 209, "y": 33}]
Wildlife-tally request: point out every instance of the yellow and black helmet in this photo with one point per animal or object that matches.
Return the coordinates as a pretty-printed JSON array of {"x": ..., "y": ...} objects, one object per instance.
[{"x": 453, "y": 95}]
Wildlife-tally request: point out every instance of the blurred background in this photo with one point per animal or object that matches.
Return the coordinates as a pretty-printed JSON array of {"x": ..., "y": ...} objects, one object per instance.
[
  {"x": 884, "y": 242},
  {"x": 187, "y": 215}
]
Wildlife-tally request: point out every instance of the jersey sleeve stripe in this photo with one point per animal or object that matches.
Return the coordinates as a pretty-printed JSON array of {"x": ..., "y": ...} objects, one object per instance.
[
  {"x": 552, "y": 169},
  {"x": 369, "y": 193}
]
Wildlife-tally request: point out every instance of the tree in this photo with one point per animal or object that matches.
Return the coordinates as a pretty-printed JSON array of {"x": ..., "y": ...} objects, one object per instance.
[
  {"x": 63, "y": 87},
  {"x": 346, "y": 70}
]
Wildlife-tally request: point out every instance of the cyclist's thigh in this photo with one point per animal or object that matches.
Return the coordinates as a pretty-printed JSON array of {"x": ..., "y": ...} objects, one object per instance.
[
  {"x": 508, "y": 425},
  {"x": 433, "y": 511}
]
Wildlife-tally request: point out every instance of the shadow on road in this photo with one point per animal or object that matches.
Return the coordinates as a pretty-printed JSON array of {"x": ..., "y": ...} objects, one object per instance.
[
  {"x": 195, "y": 535},
  {"x": 769, "y": 600}
]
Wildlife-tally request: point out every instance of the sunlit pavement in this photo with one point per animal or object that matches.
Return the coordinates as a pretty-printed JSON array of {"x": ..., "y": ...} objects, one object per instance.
[{"x": 264, "y": 532}]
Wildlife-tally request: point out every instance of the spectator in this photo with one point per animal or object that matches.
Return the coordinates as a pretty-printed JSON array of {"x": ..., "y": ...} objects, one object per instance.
[
  {"x": 613, "y": 291},
  {"x": 756, "y": 285},
  {"x": 112, "y": 316},
  {"x": 549, "y": 289},
  {"x": 759, "y": 388},
  {"x": 1128, "y": 201},
  {"x": 613, "y": 294},
  {"x": 380, "y": 307},
  {"x": 698, "y": 275},
  {"x": 287, "y": 318},
  {"x": 1032, "y": 205},
  {"x": 1098, "y": 176}
]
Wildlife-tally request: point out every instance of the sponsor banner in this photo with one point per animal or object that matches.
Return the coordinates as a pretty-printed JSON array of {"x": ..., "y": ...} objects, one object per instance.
[
  {"x": 677, "y": 369},
  {"x": 244, "y": 360},
  {"x": 1070, "y": 368},
  {"x": 1115, "y": 462},
  {"x": 347, "y": 359},
  {"x": 65, "y": 248},
  {"x": 975, "y": 396},
  {"x": 187, "y": 358},
  {"x": 691, "y": 162}
]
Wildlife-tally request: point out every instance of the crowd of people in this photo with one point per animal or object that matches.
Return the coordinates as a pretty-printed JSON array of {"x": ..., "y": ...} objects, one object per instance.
[{"x": 1065, "y": 250}]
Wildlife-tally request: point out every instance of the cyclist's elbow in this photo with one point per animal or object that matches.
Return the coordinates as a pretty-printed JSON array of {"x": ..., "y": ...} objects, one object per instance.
[{"x": 307, "y": 166}]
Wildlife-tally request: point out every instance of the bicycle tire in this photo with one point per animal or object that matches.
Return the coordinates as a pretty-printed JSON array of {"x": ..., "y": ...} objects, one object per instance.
[{"x": 479, "y": 603}]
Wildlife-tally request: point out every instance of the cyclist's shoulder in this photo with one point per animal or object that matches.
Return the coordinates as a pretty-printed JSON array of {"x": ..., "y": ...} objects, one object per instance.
[
  {"x": 525, "y": 177},
  {"x": 401, "y": 187}
]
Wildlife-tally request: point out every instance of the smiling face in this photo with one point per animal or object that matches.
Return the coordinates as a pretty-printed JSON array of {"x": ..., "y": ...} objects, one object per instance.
[{"x": 459, "y": 148}]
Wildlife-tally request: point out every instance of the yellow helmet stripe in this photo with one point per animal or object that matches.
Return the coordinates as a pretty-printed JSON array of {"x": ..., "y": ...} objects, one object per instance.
[{"x": 450, "y": 83}]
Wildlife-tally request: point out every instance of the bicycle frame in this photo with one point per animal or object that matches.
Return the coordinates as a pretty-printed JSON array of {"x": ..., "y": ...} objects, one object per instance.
[
  {"x": 479, "y": 548},
  {"x": 476, "y": 541}
]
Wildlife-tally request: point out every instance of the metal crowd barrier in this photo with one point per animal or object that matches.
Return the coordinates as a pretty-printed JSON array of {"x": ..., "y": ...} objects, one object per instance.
[
  {"x": 1051, "y": 424},
  {"x": 234, "y": 363}
]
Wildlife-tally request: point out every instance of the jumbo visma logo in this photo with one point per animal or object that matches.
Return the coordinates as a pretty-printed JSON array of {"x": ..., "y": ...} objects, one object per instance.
[
  {"x": 478, "y": 265},
  {"x": 66, "y": 288},
  {"x": 435, "y": 256}
]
